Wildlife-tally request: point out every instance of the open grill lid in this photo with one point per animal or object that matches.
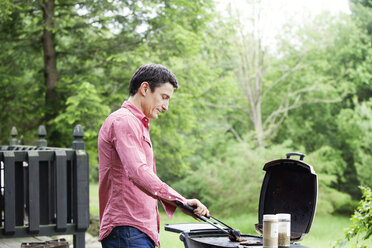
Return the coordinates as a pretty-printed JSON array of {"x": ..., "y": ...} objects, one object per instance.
[{"x": 290, "y": 186}]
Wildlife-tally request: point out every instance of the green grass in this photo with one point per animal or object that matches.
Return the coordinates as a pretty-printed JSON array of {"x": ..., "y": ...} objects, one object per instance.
[
  {"x": 324, "y": 230},
  {"x": 93, "y": 199}
]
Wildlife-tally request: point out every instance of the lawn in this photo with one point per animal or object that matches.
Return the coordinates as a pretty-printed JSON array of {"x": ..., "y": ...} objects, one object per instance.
[{"x": 324, "y": 231}]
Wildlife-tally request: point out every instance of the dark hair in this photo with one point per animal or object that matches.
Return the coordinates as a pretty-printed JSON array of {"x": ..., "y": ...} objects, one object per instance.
[{"x": 154, "y": 74}]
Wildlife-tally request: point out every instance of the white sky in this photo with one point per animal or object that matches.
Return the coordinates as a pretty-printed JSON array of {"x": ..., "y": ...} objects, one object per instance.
[
  {"x": 282, "y": 9},
  {"x": 276, "y": 13}
]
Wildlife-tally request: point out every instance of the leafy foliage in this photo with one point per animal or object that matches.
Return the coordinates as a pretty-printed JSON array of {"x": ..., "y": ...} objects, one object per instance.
[
  {"x": 86, "y": 108},
  {"x": 230, "y": 183},
  {"x": 355, "y": 130},
  {"x": 334, "y": 58},
  {"x": 330, "y": 166},
  {"x": 361, "y": 227},
  {"x": 204, "y": 145}
]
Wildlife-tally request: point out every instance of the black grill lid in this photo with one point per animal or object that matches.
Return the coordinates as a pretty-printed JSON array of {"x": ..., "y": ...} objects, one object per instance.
[{"x": 290, "y": 186}]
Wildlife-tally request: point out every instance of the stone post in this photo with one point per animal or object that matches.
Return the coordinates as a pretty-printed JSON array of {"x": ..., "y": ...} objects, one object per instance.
[{"x": 13, "y": 132}]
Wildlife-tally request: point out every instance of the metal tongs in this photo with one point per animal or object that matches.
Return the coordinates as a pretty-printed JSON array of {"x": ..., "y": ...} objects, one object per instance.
[{"x": 234, "y": 235}]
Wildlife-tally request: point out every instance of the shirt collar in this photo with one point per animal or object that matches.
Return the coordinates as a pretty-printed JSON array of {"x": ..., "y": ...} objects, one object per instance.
[{"x": 136, "y": 112}]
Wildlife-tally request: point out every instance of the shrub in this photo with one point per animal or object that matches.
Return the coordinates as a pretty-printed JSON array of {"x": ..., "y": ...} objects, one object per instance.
[
  {"x": 231, "y": 184},
  {"x": 329, "y": 166},
  {"x": 361, "y": 227}
]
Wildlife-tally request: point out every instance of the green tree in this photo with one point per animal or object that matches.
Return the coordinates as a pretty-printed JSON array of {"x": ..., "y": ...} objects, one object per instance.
[
  {"x": 274, "y": 82},
  {"x": 355, "y": 132},
  {"x": 103, "y": 43},
  {"x": 87, "y": 109},
  {"x": 334, "y": 56}
]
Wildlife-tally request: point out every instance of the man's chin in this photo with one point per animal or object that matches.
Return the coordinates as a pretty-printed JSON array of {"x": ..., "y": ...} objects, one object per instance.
[{"x": 155, "y": 116}]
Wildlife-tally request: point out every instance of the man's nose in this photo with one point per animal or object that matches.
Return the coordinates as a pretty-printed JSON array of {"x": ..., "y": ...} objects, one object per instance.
[{"x": 165, "y": 106}]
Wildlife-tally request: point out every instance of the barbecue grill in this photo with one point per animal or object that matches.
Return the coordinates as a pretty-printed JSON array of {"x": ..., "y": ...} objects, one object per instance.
[{"x": 289, "y": 186}]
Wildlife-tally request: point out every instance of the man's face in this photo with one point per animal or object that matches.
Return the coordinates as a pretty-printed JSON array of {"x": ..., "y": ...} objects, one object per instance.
[{"x": 157, "y": 101}]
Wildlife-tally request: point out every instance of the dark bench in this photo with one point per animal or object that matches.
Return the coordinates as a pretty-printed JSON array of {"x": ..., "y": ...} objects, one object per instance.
[{"x": 44, "y": 190}]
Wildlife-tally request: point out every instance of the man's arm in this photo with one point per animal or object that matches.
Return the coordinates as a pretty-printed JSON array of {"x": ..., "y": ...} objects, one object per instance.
[{"x": 128, "y": 143}]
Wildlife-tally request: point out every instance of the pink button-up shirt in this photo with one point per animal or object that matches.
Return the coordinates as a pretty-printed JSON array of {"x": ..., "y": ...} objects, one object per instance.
[{"x": 128, "y": 185}]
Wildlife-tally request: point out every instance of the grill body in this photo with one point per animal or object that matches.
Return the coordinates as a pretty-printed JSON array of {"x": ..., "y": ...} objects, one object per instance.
[
  {"x": 289, "y": 186},
  {"x": 203, "y": 235}
]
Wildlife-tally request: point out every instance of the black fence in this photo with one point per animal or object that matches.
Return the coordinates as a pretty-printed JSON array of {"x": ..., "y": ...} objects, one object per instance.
[{"x": 44, "y": 190}]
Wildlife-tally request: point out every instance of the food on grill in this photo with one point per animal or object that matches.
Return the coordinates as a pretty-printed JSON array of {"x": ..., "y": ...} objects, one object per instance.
[
  {"x": 236, "y": 238},
  {"x": 251, "y": 242}
]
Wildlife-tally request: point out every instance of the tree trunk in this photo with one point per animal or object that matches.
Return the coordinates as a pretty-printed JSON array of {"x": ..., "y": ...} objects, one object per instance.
[
  {"x": 251, "y": 75},
  {"x": 50, "y": 60}
]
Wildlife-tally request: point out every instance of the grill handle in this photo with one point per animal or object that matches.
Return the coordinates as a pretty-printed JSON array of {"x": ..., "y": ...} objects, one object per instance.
[{"x": 301, "y": 155}]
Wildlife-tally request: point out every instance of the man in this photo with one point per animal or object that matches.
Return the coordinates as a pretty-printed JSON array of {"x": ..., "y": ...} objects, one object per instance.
[{"x": 128, "y": 185}]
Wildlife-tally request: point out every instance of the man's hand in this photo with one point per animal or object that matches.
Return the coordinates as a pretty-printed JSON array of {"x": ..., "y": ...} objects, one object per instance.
[{"x": 200, "y": 209}]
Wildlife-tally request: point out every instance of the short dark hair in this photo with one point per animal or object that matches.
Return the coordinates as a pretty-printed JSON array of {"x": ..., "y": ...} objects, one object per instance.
[{"x": 154, "y": 74}]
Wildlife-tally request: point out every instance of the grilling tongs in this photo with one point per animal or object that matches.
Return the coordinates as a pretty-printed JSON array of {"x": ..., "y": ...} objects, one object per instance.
[{"x": 234, "y": 235}]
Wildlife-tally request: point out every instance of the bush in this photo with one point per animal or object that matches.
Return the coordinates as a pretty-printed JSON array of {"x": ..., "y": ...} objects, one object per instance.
[
  {"x": 231, "y": 184},
  {"x": 361, "y": 227},
  {"x": 329, "y": 166},
  {"x": 232, "y": 181},
  {"x": 94, "y": 225}
]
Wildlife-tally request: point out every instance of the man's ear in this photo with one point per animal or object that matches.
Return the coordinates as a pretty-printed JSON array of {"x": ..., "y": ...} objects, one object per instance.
[{"x": 144, "y": 88}]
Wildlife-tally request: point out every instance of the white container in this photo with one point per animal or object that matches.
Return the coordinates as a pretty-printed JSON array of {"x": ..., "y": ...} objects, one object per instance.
[
  {"x": 270, "y": 231},
  {"x": 284, "y": 230}
]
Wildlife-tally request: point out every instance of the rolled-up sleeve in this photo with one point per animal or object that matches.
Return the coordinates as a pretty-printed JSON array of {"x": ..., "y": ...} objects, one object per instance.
[{"x": 128, "y": 142}]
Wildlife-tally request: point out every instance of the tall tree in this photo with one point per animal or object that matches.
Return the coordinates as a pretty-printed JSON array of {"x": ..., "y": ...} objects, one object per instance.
[
  {"x": 50, "y": 59},
  {"x": 340, "y": 60},
  {"x": 90, "y": 40},
  {"x": 269, "y": 78},
  {"x": 96, "y": 46}
]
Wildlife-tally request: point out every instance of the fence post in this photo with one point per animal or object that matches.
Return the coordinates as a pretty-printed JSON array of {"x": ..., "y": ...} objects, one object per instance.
[
  {"x": 9, "y": 192},
  {"x": 61, "y": 189},
  {"x": 41, "y": 132},
  {"x": 13, "y": 132},
  {"x": 78, "y": 143},
  {"x": 34, "y": 191},
  {"x": 81, "y": 180}
]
